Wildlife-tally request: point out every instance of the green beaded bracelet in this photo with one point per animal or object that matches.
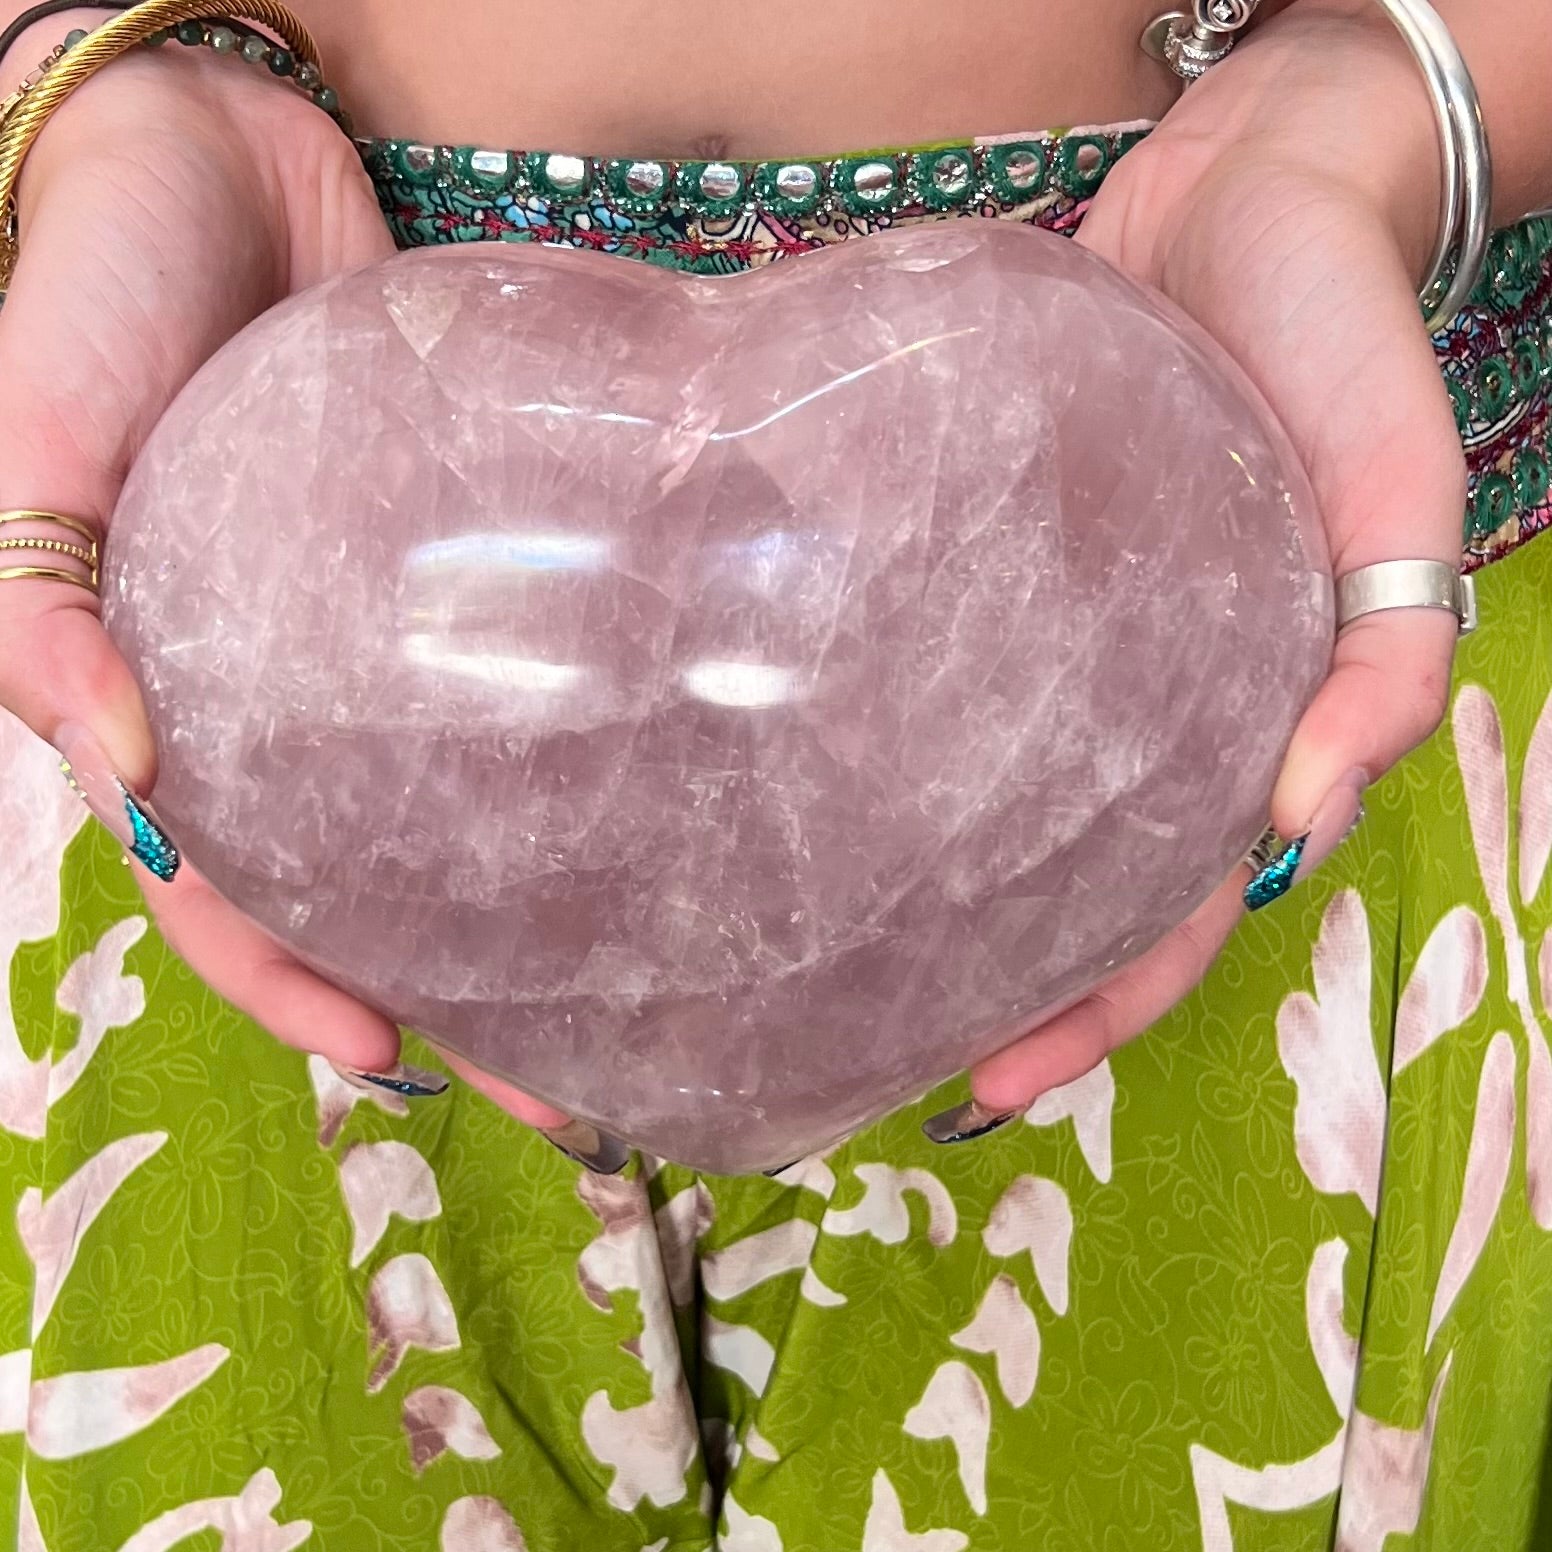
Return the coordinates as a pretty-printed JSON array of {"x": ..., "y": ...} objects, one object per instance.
[{"x": 225, "y": 35}]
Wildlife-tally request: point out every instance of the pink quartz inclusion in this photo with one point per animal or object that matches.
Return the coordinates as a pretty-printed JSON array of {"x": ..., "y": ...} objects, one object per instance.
[{"x": 724, "y": 707}]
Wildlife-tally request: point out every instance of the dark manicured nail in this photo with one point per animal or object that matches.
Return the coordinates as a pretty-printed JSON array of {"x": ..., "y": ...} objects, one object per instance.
[
  {"x": 402, "y": 1079},
  {"x": 586, "y": 1145},
  {"x": 130, "y": 818},
  {"x": 966, "y": 1122}
]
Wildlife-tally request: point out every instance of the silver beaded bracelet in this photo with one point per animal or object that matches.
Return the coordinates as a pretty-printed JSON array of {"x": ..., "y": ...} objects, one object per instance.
[{"x": 1191, "y": 42}]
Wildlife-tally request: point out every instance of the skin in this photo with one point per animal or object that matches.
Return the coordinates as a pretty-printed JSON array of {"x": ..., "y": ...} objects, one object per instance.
[{"x": 1288, "y": 202}]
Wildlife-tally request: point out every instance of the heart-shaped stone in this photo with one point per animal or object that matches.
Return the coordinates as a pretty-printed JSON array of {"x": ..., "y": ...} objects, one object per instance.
[{"x": 723, "y": 707}]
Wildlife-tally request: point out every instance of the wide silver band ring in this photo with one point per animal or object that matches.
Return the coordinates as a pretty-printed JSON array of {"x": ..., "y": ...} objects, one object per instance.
[{"x": 1406, "y": 584}]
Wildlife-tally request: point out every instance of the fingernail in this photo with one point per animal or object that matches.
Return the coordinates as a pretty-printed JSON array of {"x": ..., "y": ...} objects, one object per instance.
[
  {"x": 130, "y": 818},
  {"x": 966, "y": 1122},
  {"x": 1276, "y": 871},
  {"x": 589, "y": 1147},
  {"x": 401, "y": 1078},
  {"x": 1336, "y": 818},
  {"x": 1278, "y": 866}
]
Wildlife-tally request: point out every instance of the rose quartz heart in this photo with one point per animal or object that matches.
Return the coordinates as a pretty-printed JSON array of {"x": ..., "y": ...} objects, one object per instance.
[{"x": 725, "y": 708}]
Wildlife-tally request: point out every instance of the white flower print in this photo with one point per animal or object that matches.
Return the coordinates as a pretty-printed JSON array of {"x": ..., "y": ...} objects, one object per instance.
[
  {"x": 883, "y": 1212},
  {"x": 1034, "y": 1216},
  {"x": 245, "y": 1523},
  {"x": 885, "y": 1529},
  {"x": 439, "y": 1421},
  {"x": 1327, "y": 1045},
  {"x": 955, "y": 1407},
  {"x": 1005, "y": 1327}
]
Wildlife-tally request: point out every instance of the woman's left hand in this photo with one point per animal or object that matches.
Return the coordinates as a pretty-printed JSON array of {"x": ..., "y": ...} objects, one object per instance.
[{"x": 1289, "y": 203}]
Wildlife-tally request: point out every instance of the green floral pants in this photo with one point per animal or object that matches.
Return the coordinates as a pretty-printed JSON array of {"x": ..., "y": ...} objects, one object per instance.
[{"x": 1277, "y": 1276}]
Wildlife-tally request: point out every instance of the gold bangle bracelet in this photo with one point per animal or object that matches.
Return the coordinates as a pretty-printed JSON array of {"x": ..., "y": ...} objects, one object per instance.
[{"x": 25, "y": 114}]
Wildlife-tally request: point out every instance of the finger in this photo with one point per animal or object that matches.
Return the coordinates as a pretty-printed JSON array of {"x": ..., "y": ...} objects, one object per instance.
[
  {"x": 239, "y": 962},
  {"x": 578, "y": 1140},
  {"x": 531, "y": 1111},
  {"x": 1075, "y": 1042}
]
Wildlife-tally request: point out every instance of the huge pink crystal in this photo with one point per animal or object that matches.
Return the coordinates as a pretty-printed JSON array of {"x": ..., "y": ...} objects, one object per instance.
[{"x": 723, "y": 707}]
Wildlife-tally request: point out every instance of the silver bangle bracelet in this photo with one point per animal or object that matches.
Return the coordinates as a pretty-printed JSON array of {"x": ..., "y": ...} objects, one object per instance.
[{"x": 1191, "y": 43}]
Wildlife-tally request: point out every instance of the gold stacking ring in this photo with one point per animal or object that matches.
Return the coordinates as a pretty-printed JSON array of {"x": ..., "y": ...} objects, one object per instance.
[{"x": 85, "y": 554}]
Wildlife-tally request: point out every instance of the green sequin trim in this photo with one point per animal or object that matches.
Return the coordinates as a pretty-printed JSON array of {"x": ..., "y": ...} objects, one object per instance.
[
  {"x": 1528, "y": 368},
  {"x": 558, "y": 177},
  {"x": 418, "y": 165},
  {"x": 946, "y": 179},
  {"x": 1082, "y": 162},
  {"x": 867, "y": 185},
  {"x": 1460, "y": 400},
  {"x": 638, "y": 186},
  {"x": 1017, "y": 171},
  {"x": 790, "y": 189},
  {"x": 1496, "y": 358},
  {"x": 1495, "y": 387},
  {"x": 1532, "y": 479},
  {"x": 483, "y": 172},
  {"x": 1494, "y": 506},
  {"x": 941, "y": 178},
  {"x": 713, "y": 188}
]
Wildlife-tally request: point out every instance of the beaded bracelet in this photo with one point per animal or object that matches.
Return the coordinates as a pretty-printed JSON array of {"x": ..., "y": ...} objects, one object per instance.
[
  {"x": 222, "y": 35},
  {"x": 194, "y": 23},
  {"x": 225, "y": 35},
  {"x": 29, "y": 18}
]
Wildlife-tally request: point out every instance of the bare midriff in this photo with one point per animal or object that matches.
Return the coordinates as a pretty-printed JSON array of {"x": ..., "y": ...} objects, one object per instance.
[{"x": 734, "y": 79}]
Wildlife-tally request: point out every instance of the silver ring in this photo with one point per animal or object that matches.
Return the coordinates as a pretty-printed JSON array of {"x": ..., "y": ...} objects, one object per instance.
[{"x": 1407, "y": 584}]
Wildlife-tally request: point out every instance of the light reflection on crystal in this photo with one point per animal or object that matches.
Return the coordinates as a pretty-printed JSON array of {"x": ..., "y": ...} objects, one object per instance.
[
  {"x": 536, "y": 551},
  {"x": 493, "y": 668},
  {"x": 747, "y": 685}
]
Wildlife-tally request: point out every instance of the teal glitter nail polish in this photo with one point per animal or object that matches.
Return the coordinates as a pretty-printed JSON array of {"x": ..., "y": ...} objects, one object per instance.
[
  {"x": 1276, "y": 878},
  {"x": 150, "y": 845}
]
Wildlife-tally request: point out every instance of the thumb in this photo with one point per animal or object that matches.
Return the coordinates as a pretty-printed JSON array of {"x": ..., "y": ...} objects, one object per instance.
[{"x": 1390, "y": 679}]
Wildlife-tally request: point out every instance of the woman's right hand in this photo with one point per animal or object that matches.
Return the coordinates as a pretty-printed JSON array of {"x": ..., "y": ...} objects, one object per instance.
[{"x": 174, "y": 197}]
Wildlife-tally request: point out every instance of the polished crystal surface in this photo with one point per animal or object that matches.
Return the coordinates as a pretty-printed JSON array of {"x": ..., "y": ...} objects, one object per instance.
[{"x": 724, "y": 707}]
